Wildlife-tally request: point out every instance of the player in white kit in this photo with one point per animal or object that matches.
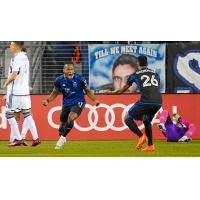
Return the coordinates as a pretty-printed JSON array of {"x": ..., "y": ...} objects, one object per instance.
[
  {"x": 17, "y": 114},
  {"x": 18, "y": 95}
]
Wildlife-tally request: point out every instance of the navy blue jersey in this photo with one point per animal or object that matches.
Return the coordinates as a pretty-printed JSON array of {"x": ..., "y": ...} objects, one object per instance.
[
  {"x": 148, "y": 83},
  {"x": 72, "y": 89}
]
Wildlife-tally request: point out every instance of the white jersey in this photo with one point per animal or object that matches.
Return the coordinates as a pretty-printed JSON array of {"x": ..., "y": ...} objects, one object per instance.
[{"x": 20, "y": 86}]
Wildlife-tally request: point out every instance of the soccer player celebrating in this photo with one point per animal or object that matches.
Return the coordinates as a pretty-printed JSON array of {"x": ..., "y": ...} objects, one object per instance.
[
  {"x": 71, "y": 86},
  {"x": 148, "y": 83},
  {"x": 18, "y": 94},
  {"x": 182, "y": 131}
]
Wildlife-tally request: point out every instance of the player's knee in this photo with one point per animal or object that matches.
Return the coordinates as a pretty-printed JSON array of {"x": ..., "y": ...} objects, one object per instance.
[
  {"x": 9, "y": 116},
  {"x": 26, "y": 114},
  {"x": 71, "y": 120},
  {"x": 72, "y": 117},
  {"x": 126, "y": 117},
  {"x": 17, "y": 116},
  {"x": 63, "y": 124},
  {"x": 146, "y": 119}
]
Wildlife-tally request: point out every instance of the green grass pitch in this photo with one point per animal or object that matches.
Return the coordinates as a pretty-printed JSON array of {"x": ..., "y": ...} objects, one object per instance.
[{"x": 113, "y": 148}]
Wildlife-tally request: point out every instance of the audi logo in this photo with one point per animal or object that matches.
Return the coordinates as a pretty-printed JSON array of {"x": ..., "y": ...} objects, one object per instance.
[{"x": 109, "y": 124}]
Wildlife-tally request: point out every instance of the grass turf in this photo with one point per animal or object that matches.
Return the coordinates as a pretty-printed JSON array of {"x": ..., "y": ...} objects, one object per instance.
[{"x": 113, "y": 148}]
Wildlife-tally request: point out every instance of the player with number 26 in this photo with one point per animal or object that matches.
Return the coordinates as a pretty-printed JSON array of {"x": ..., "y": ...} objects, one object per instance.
[{"x": 148, "y": 83}]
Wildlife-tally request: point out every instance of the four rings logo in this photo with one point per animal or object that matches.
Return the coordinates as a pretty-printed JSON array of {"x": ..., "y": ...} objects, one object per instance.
[{"x": 109, "y": 123}]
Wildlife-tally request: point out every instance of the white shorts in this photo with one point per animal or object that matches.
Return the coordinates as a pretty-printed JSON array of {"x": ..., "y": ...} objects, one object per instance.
[{"x": 18, "y": 103}]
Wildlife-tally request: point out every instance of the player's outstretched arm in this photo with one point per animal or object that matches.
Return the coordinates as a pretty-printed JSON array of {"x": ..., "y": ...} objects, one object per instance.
[
  {"x": 119, "y": 91},
  {"x": 91, "y": 96},
  {"x": 52, "y": 96},
  {"x": 183, "y": 121},
  {"x": 3, "y": 99}
]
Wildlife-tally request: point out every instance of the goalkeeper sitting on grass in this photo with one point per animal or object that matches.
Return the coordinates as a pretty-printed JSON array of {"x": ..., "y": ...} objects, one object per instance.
[{"x": 182, "y": 131}]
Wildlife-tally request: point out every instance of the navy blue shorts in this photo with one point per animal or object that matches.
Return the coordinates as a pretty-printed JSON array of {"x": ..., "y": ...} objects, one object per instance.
[
  {"x": 139, "y": 109},
  {"x": 77, "y": 108}
]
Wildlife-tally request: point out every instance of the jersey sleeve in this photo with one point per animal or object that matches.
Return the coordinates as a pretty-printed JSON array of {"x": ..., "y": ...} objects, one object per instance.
[
  {"x": 183, "y": 121},
  {"x": 131, "y": 80},
  {"x": 57, "y": 84},
  {"x": 84, "y": 83},
  {"x": 16, "y": 65}
]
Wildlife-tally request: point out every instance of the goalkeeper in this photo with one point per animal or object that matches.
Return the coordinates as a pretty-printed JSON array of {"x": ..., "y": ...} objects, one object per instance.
[{"x": 182, "y": 131}]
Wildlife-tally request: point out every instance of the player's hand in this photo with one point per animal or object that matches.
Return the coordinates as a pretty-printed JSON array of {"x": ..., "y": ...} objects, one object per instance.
[
  {"x": 3, "y": 99},
  {"x": 97, "y": 103},
  {"x": 30, "y": 89},
  {"x": 108, "y": 92},
  {"x": 176, "y": 116},
  {"x": 45, "y": 103}
]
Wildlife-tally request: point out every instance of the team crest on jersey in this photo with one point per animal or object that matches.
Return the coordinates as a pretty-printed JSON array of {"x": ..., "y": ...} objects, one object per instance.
[{"x": 75, "y": 84}]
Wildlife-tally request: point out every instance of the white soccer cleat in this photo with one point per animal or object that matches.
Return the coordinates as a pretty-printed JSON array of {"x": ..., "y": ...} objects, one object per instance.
[
  {"x": 185, "y": 139},
  {"x": 161, "y": 127},
  {"x": 60, "y": 142}
]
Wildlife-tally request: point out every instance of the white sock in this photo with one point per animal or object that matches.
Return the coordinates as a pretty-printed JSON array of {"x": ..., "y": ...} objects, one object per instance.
[
  {"x": 32, "y": 127},
  {"x": 12, "y": 136},
  {"x": 25, "y": 128},
  {"x": 12, "y": 139},
  {"x": 14, "y": 128},
  {"x": 23, "y": 136}
]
